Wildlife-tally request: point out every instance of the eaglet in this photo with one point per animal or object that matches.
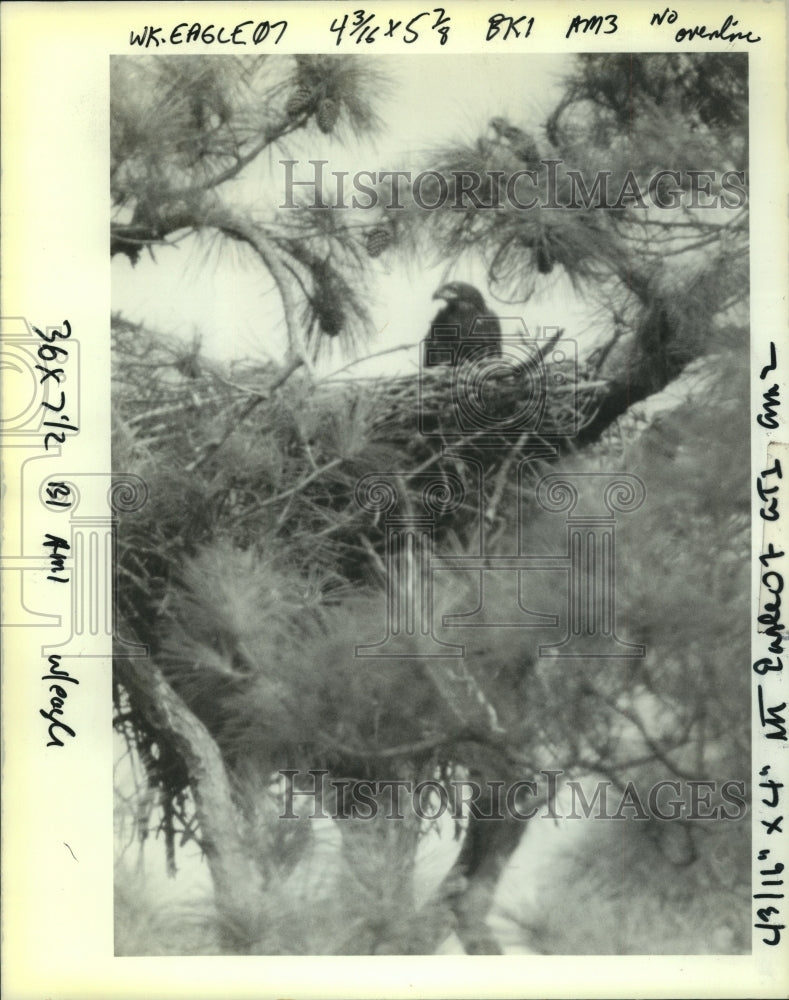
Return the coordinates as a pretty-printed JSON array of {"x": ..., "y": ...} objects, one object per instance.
[{"x": 464, "y": 304}]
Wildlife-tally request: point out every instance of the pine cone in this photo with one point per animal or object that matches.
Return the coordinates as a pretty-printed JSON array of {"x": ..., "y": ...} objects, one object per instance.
[
  {"x": 378, "y": 240},
  {"x": 300, "y": 100},
  {"x": 544, "y": 260},
  {"x": 330, "y": 316},
  {"x": 327, "y": 114}
]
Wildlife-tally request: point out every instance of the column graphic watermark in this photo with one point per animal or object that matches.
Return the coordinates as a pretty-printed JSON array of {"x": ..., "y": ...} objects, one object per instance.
[{"x": 537, "y": 412}]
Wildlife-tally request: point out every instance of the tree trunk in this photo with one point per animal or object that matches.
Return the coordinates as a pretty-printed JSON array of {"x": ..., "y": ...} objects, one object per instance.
[
  {"x": 238, "y": 880},
  {"x": 470, "y": 885}
]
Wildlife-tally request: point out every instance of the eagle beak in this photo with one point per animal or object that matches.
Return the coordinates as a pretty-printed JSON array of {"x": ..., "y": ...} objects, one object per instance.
[{"x": 441, "y": 293}]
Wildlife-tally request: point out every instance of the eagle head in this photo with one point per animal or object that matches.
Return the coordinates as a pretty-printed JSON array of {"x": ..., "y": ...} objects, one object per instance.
[{"x": 460, "y": 291}]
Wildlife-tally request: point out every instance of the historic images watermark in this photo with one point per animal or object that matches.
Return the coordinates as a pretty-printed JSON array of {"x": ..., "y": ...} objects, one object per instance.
[
  {"x": 543, "y": 184},
  {"x": 431, "y": 799}
]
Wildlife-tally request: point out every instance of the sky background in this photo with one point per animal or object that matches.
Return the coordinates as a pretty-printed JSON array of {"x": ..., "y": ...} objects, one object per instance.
[{"x": 208, "y": 287}]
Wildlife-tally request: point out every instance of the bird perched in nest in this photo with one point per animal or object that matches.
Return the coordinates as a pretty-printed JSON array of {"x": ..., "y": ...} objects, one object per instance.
[{"x": 451, "y": 338}]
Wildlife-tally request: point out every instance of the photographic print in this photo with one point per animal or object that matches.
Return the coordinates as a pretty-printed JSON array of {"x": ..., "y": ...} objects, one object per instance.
[{"x": 424, "y": 572}]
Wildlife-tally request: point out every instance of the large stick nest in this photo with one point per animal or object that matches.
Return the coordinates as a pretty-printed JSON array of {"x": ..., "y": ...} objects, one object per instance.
[{"x": 230, "y": 450}]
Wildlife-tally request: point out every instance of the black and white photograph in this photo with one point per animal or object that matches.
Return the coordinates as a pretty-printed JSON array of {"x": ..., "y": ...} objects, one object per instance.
[
  {"x": 441, "y": 557},
  {"x": 414, "y": 567}
]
